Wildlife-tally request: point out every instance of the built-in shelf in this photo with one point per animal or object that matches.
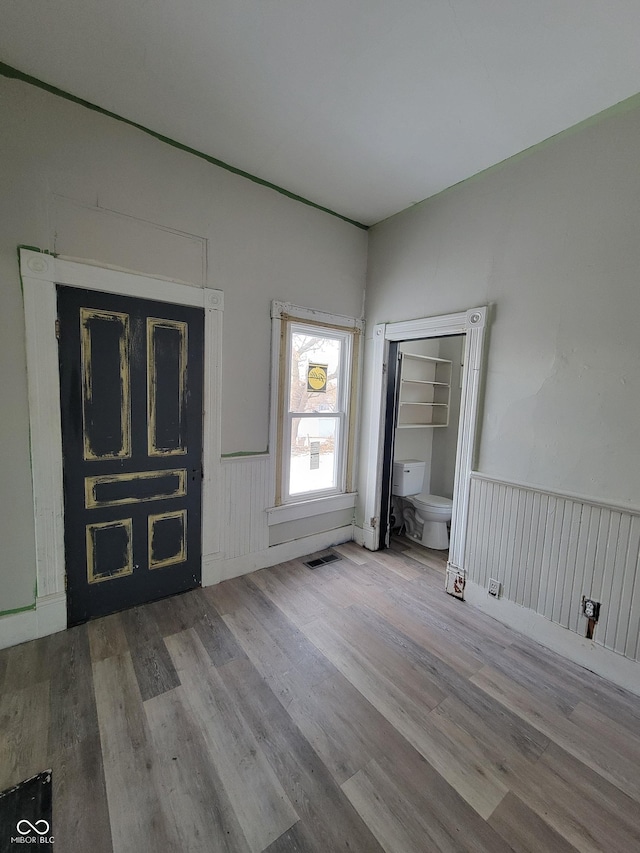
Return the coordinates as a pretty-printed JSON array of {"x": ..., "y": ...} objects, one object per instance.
[
  {"x": 419, "y": 426},
  {"x": 425, "y": 382},
  {"x": 425, "y": 387}
]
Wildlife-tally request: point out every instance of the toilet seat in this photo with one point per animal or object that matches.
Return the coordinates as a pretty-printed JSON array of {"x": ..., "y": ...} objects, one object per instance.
[{"x": 432, "y": 503}]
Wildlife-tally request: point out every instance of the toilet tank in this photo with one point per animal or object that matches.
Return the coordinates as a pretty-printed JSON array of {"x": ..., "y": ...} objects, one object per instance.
[{"x": 408, "y": 476}]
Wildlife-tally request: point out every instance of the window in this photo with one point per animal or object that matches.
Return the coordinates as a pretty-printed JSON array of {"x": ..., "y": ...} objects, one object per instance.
[{"x": 316, "y": 381}]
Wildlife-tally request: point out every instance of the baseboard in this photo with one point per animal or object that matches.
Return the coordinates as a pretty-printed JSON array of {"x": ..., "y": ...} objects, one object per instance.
[
  {"x": 366, "y": 536},
  {"x": 621, "y": 670},
  {"x": 216, "y": 570},
  {"x": 17, "y": 628},
  {"x": 47, "y": 617},
  {"x": 51, "y": 612}
]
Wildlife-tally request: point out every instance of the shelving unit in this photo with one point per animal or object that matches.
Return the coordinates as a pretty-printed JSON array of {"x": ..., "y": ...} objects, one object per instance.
[{"x": 425, "y": 389}]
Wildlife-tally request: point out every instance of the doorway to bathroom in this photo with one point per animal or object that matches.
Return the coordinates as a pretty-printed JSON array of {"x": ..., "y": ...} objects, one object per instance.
[
  {"x": 424, "y": 389},
  {"x": 380, "y": 446}
]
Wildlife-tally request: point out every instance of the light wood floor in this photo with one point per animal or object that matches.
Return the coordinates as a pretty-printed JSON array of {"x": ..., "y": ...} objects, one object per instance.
[{"x": 355, "y": 707}]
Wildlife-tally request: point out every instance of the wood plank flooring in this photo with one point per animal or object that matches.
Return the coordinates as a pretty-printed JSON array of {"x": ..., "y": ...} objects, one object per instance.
[{"x": 354, "y": 707}]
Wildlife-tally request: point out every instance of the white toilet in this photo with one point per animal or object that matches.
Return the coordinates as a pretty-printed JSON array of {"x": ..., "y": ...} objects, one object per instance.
[{"x": 425, "y": 516}]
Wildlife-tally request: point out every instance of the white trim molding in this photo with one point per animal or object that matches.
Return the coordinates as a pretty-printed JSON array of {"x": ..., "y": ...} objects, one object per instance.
[
  {"x": 634, "y": 509},
  {"x": 472, "y": 324},
  {"x": 367, "y": 535},
  {"x": 287, "y": 310},
  {"x": 306, "y": 509},
  {"x": 40, "y": 274}
]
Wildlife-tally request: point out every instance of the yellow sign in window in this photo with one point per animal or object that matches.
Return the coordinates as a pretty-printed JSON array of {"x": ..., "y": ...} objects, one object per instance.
[{"x": 317, "y": 377}]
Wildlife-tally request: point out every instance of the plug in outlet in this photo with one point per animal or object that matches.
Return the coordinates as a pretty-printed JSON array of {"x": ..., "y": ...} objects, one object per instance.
[
  {"x": 494, "y": 588},
  {"x": 591, "y": 610}
]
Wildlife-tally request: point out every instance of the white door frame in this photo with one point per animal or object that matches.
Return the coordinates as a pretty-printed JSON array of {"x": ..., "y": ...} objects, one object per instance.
[
  {"x": 472, "y": 324},
  {"x": 40, "y": 273}
]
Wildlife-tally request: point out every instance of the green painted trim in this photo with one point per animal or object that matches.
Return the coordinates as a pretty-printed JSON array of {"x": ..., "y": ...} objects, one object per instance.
[
  {"x": 15, "y": 74},
  {"x": 35, "y": 248},
  {"x": 17, "y": 610},
  {"x": 241, "y": 453},
  {"x": 629, "y": 104}
]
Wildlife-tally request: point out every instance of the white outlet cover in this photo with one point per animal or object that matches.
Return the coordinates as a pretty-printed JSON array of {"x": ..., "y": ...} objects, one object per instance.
[{"x": 494, "y": 587}]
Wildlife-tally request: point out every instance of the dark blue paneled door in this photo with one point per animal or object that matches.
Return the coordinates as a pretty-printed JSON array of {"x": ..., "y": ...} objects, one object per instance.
[{"x": 131, "y": 375}]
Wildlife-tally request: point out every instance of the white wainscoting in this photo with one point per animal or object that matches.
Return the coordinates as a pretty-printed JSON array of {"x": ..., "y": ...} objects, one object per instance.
[
  {"x": 548, "y": 550},
  {"x": 245, "y": 493}
]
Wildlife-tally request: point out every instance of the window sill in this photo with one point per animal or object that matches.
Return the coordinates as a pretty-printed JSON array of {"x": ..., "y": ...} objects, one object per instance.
[{"x": 306, "y": 509}]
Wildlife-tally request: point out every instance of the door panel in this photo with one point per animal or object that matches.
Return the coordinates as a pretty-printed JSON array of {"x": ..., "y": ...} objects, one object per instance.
[
  {"x": 131, "y": 400},
  {"x": 106, "y": 412},
  {"x": 166, "y": 390}
]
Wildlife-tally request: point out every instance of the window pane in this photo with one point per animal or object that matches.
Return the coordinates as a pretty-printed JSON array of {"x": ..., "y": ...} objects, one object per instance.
[
  {"x": 312, "y": 462},
  {"x": 315, "y": 364}
]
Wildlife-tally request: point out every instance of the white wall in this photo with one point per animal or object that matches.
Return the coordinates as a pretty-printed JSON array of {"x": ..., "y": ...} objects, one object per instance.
[
  {"x": 550, "y": 239},
  {"x": 85, "y": 185}
]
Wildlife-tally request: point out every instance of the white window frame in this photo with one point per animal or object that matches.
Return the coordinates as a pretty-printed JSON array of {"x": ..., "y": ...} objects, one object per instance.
[
  {"x": 285, "y": 318},
  {"x": 341, "y": 414}
]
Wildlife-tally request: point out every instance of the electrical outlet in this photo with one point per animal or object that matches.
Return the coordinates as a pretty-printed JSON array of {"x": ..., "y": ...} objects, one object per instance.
[
  {"x": 591, "y": 608},
  {"x": 494, "y": 587}
]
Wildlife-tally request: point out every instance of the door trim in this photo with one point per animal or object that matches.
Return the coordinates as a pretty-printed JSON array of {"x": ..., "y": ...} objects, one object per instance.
[
  {"x": 472, "y": 324},
  {"x": 40, "y": 274}
]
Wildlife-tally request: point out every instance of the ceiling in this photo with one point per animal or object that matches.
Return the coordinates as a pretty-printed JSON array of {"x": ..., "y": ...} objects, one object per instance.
[{"x": 362, "y": 106}]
